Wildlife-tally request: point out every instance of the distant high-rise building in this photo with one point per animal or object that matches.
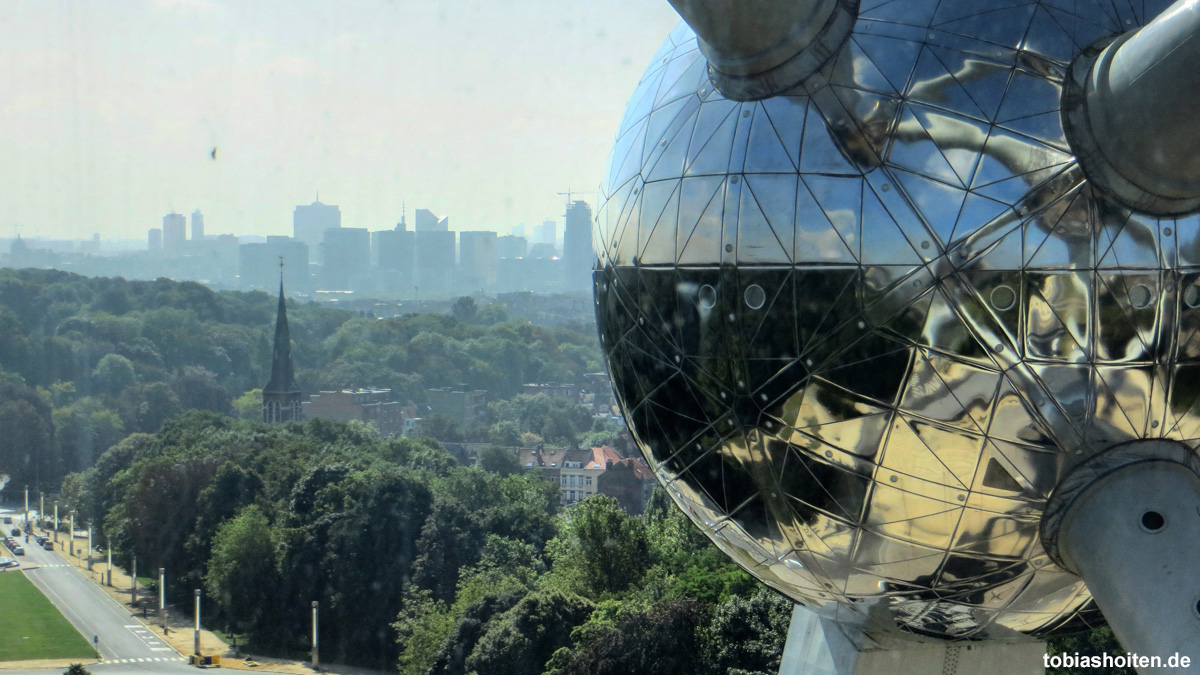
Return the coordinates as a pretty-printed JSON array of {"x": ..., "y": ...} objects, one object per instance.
[
  {"x": 310, "y": 222},
  {"x": 477, "y": 259},
  {"x": 154, "y": 236},
  {"x": 281, "y": 396},
  {"x": 434, "y": 262},
  {"x": 577, "y": 245},
  {"x": 197, "y": 225},
  {"x": 518, "y": 230},
  {"x": 511, "y": 247},
  {"x": 174, "y": 228},
  {"x": 395, "y": 252},
  {"x": 346, "y": 254},
  {"x": 257, "y": 263},
  {"x": 546, "y": 233},
  {"x": 428, "y": 221}
]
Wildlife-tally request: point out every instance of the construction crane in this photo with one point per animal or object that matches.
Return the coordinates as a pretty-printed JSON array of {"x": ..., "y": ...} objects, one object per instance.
[{"x": 570, "y": 192}]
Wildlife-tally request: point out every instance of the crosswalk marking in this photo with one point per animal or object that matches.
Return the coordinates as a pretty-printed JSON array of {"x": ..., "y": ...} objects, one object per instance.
[{"x": 146, "y": 660}]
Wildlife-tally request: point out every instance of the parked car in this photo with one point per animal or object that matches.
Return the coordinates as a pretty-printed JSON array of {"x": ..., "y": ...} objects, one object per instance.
[
  {"x": 9, "y": 562},
  {"x": 41, "y": 539},
  {"x": 18, "y": 550},
  {"x": 16, "y": 532},
  {"x": 8, "y": 520},
  {"x": 48, "y": 545}
]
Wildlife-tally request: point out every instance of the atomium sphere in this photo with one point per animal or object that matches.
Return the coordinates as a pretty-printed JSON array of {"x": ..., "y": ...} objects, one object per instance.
[{"x": 860, "y": 330}]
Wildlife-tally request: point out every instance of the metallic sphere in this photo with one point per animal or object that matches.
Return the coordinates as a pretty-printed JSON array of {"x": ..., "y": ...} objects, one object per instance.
[{"x": 860, "y": 330}]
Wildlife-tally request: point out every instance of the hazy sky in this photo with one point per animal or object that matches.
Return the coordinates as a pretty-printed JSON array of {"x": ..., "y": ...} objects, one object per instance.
[{"x": 478, "y": 110}]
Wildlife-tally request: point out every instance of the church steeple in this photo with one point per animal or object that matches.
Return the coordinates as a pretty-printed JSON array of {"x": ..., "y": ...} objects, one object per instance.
[{"x": 281, "y": 396}]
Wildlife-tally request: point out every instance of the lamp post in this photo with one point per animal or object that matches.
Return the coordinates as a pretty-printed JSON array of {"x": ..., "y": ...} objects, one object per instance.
[
  {"x": 56, "y": 522},
  {"x": 162, "y": 597},
  {"x": 316, "y": 661},
  {"x": 133, "y": 598},
  {"x": 89, "y": 552},
  {"x": 26, "y": 508},
  {"x": 109, "y": 549},
  {"x": 71, "y": 537},
  {"x": 197, "y": 633},
  {"x": 41, "y": 507}
]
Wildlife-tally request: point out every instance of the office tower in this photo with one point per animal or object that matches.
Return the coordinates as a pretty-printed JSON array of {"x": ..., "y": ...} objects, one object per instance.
[
  {"x": 577, "y": 245},
  {"x": 428, "y": 221},
  {"x": 546, "y": 233},
  {"x": 434, "y": 262},
  {"x": 346, "y": 253},
  {"x": 174, "y": 229},
  {"x": 477, "y": 259},
  {"x": 258, "y": 264},
  {"x": 154, "y": 235},
  {"x": 518, "y": 230},
  {"x": 197, "y": 225},
  {"x": 310, "y": 222},
  {"x": 394, "y": 252},
  {"x": 511, "y": 246}
]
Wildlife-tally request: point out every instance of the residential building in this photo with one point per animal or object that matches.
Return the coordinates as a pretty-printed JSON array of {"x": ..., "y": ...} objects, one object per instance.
[
  {"x": 511, "y": 246},
  {"x": 577, "y": 246},
  {"x": 580, "y": 470},
  {"x": 373, "y": 406},
  {"x": 550, "y": 389},
  {"x": 197, "y": 225},
  {"x": 629, "y": 481},
  {"x": 467, "y": 408},
  {"x": 174, "y": 229}
]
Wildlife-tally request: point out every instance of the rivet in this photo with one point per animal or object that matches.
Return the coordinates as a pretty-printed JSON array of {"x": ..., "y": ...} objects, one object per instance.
[
  {"x": 894, "y": 479},
  {"x": 829, "y": 453}
]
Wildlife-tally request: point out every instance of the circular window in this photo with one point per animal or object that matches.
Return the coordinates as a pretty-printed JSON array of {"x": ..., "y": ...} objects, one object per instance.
[
  {"x": 1140, "y": 296},
  {"x": 1191, "y": 297},
  {"x": 755, "y": 296},
  {"x": 708, "y": 297},
  {"x": 1153, "y": 521},
  {"x": 1003, "y": 298}
]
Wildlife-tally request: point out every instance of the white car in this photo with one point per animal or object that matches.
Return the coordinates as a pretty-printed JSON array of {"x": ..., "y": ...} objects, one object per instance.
[{"x": 9, "y": 562}]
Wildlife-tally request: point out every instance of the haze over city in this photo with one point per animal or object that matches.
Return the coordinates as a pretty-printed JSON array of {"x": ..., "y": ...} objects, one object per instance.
[{"x": 118, "y": 114}]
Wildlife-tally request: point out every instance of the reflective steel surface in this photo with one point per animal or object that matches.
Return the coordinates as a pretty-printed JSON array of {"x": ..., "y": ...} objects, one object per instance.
[{"x": 862, "y": 329}]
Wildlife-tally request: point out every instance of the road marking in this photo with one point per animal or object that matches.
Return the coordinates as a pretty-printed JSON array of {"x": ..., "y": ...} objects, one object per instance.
[{"x": 174, "y": 659}]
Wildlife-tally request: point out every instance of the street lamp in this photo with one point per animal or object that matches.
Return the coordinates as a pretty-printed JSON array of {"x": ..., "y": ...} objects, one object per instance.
[
  {"x": 197, "y": 639},
  {"x": 71, "y": 538},
  {"x": 162, "y": 597},
  {"x": 56, "y": 522},
  {"x": 109, "y": 549},
  {"x": 316, "y": 661},
  {"x": 133, "y": 598},
  {"x": 89, "y": 555}
]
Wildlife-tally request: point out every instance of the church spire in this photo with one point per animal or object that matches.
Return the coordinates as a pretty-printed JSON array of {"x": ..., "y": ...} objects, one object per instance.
[{"x": 281, "y": 396}]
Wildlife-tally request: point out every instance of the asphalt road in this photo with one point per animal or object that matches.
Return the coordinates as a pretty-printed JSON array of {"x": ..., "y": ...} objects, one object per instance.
[{"x": 125, "y": 645}]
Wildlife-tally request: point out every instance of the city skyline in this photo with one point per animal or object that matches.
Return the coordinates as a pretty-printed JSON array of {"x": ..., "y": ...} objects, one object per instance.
[{"x": 121, "y": 115}]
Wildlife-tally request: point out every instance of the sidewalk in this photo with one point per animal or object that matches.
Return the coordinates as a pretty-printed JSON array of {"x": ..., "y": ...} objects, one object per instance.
[{"x": 182, "y": 634}]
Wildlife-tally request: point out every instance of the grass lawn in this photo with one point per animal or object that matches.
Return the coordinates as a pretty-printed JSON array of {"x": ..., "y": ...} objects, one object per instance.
[{"x": 31, "y": 628}]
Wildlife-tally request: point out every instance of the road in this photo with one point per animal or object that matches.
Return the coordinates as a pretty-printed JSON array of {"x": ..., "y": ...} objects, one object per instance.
[{"x": 125, "y": 645}]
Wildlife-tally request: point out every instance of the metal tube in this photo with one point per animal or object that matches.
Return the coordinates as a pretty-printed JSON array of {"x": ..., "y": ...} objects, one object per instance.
[
  {"x": 1135, "y": 132},
  {"x": 1134, "y": 537},
  {"x": 758, "y": 48},
  {"x": 56, "y": 522},
  {"x": 316, "y": 661},
  {"x": 109, "y": 568},
  {"x": 133, "y": 595}
]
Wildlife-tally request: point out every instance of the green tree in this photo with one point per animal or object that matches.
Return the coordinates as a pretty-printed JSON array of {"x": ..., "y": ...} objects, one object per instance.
[
  {"x": 599, "y": 548},
  {"x": 498, "y": 460},
  {"x": 747, "y": 635},
  {"x": 243, "y": 573},
  {"x": 662, "y": 640},
  {"x": 249, "y": 406},
  {"x": 464, "y": 309},
  {"x": 113, "y": 374},
  {"x": 521, "y": 640}
]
